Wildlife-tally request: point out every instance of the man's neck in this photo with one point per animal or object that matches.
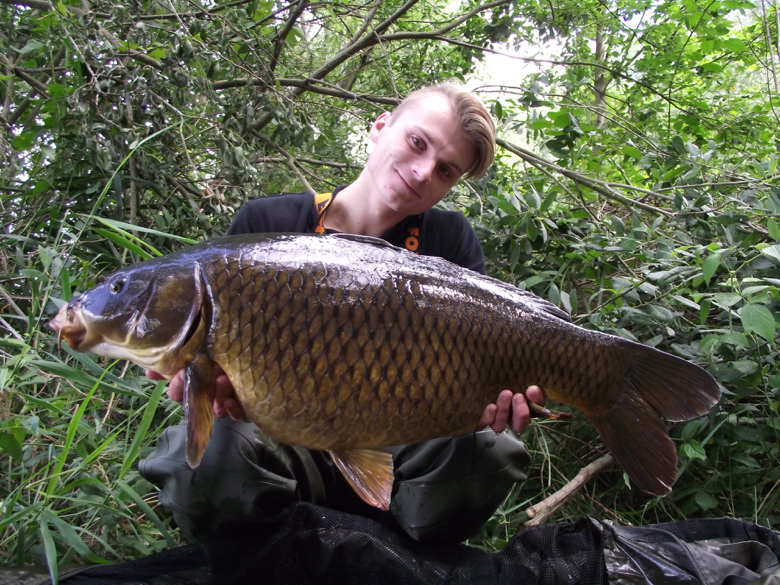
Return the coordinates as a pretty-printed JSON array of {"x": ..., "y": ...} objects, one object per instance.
[{"x": 355, "y": 211}]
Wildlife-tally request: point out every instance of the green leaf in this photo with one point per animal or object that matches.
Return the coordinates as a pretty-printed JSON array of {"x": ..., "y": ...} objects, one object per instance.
[
  {"x": 726, "y": 299},
  {"x": 146, "y": 509},
  {"x": 69, "y": 436},
  {"x": 735, "y": 45},
  {"x": 710, "y": 265},
  {"x": 131, "y": 455},
  {"x": 124, "y": 243},
  {"x": 10, "y": 445},
  {"x": 632, "y": 151},
  {"x": 705, "y": 501},
  {"x": 68, "y": 536},
  {"x": 759, "y": 320},
  {"x": 772, "y": 252},
  {"x": 712, "y": 67},
  {"x": 554, "y": 294},
  {"x": 773, "y": 228},
  {"x": 30, "y": 46},
  {"x": 157, "y": 54},
  {"x": 694, "y": 450},
  {"x": 50, "y": 550}
]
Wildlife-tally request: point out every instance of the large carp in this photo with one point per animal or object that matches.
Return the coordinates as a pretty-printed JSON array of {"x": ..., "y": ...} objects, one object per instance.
[{"x": 348, "y": 344}]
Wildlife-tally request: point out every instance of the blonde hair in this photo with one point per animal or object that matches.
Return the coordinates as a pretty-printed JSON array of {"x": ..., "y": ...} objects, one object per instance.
[{"x": 474, "y": 118}]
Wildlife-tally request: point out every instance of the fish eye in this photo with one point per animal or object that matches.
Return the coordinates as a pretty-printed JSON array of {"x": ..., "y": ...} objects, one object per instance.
[{"x": 117, "y": 285}]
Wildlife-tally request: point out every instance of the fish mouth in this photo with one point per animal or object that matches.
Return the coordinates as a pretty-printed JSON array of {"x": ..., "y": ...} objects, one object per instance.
[{"x": 68, "y": 324}]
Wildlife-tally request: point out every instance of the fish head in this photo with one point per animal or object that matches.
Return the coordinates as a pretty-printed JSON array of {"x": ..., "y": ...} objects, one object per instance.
[{"x": 149, "y": 314}]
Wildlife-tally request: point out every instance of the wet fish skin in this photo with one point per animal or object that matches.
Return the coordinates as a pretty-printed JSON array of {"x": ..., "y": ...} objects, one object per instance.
[{"x": 348, "y": 344}]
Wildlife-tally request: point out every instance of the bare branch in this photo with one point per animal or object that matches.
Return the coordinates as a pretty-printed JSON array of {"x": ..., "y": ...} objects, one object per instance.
[
  {"x": 539, "y": 513},
  {"x": 290, "y": 159},
  {"x": 146, "y": 59},
  {"x": 594, "y": 184},
  {"x": 282, "y": 35}
]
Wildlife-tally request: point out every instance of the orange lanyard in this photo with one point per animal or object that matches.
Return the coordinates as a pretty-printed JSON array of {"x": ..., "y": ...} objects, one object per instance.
[{"x": 322, "y": 200}]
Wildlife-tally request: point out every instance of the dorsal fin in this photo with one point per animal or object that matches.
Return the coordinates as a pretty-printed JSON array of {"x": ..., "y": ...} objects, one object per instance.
[{"x": 364, "y": 239}]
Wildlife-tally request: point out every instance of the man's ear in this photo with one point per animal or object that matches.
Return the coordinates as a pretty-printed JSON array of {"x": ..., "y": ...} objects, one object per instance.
[{"x": 382, "y": 121}]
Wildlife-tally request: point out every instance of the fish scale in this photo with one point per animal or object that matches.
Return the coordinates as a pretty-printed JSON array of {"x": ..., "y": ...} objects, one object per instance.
[{"x": 347, "y": 344}]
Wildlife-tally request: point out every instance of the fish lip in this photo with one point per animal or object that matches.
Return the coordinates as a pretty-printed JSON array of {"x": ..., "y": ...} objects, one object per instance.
[{"x": 69, "y": 325}]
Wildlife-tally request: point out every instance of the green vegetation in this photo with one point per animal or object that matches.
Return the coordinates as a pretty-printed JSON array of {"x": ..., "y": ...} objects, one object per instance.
[{"x": 636, "y": 186}]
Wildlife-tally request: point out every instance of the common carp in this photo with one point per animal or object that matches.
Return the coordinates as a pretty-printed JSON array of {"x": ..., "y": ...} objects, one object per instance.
[{"x": 347, "y": 344}]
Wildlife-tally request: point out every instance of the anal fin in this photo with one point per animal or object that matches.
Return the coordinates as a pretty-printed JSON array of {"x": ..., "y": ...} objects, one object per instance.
[{"x": 369, "y": 472}]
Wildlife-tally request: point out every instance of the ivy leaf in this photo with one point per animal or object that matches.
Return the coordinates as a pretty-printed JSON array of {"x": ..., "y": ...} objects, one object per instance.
[{"x": 759, "y": 320}]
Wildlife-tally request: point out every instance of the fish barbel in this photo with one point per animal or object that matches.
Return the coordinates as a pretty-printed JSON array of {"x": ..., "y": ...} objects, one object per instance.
[{"x": 347, "y": 344}]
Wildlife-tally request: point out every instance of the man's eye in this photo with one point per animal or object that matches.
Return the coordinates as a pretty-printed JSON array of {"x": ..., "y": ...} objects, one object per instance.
[
  {"x": 415, "y": 140},
  {"x": 446, "y": 171}
]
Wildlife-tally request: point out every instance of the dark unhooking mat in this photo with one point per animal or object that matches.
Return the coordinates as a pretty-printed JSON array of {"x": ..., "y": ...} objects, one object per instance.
[{"x": 314, "y": 545}]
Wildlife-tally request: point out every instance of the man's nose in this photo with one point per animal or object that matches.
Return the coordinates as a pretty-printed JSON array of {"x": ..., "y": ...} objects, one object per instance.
[{"x": 423, "y": 169}]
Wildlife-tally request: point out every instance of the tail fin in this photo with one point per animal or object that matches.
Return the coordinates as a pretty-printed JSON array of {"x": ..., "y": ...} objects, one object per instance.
[{"x": 657, "y": 386}]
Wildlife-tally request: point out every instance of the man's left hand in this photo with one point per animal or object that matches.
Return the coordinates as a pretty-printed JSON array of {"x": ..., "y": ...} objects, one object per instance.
[{"x": 511, "y": 405}]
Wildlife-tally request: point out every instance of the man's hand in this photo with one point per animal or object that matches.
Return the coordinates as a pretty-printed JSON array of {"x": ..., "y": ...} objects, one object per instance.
[
  {"x": 496, "y": 416},
  {"x": 220, "y": 390}
]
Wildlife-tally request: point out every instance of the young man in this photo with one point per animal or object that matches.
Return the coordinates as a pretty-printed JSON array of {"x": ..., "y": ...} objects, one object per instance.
[{"x": 444, "y": 489}]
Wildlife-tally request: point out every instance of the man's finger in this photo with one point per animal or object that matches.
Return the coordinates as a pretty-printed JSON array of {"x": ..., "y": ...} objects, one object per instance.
[
  {"x": 176, "y": 387},
  {"x": 503, "y": 405},
  {"x": 521, "y": 414},
  {"x": 488, "y": 416}
]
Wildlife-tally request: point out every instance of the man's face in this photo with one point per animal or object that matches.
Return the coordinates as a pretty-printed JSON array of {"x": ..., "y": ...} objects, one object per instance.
[{"x": 418, "y": 155}]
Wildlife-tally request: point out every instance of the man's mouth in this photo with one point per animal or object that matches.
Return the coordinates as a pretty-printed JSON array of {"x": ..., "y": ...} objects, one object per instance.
[{"x": 409, "y": 187}]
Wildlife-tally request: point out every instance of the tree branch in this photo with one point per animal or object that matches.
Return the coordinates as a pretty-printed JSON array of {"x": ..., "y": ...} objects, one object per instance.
[
  {"x": 290, "y": 159},
  {"x": 373, "y": 38},
  {"x": 594, "y": 184},
  {"x": 282, "y": 35},
  {"x": 539, "y": 513}
]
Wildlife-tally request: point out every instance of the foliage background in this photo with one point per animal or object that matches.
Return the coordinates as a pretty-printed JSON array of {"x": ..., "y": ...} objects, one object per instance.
[{"x": 636, "y": 186}]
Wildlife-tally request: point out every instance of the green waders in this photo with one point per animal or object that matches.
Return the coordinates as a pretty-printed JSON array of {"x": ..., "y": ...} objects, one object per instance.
[{"x": 445, "y": 489}]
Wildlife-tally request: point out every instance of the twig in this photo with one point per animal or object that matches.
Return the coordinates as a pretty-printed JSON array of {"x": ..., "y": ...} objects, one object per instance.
[
  {"x": 594, "y": 184},
  {"x": 540, "y": 512},
  {"x": 291, "y": 160}
]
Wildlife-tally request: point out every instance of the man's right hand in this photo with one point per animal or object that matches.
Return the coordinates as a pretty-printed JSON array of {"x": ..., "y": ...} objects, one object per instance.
[{"x": 220, "y": 390}]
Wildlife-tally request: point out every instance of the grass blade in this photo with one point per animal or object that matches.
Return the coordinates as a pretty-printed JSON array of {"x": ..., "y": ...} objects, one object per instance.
[
  {"x": 51, "y": 551},
  {"x": 140, "y": 434},
  {"x": 146, "y": 509}
]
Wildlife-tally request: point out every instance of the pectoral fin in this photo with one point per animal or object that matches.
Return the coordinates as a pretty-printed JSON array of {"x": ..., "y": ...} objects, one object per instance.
[
  {"x": 198, "y": 415},
  {"x": 369, "y": 472}
]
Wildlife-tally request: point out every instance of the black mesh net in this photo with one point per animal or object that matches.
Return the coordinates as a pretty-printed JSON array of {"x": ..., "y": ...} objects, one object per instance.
[{"x": 321, "y": 546}]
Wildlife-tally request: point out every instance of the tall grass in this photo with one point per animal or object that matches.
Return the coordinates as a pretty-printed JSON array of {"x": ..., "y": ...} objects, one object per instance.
[{"x": 73, "y": 428}]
